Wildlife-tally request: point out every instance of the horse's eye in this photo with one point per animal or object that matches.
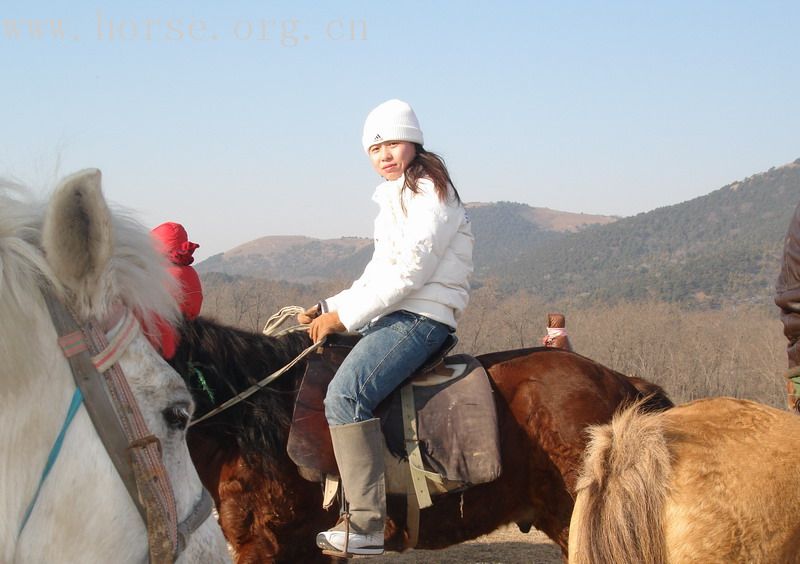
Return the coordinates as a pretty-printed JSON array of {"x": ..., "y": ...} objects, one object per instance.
[{"x": 177, "y": 416}]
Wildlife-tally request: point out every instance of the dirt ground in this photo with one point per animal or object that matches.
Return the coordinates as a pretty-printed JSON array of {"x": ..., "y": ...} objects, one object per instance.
[{"x": 505, "y": 546}]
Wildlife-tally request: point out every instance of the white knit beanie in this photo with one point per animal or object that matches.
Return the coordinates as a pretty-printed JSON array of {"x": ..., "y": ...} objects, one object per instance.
[{"x": 394, "y": 120}]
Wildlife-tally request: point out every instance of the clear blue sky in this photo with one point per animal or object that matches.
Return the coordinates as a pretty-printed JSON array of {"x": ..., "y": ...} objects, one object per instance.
[{"x": 243, "y": 119}]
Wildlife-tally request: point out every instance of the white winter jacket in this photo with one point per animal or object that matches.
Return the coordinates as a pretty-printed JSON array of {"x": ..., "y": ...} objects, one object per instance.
[{"x": 422, "y": 259}]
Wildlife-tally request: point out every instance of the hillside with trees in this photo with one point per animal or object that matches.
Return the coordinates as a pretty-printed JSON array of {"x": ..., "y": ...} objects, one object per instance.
[{"x": 720, "y": 248}]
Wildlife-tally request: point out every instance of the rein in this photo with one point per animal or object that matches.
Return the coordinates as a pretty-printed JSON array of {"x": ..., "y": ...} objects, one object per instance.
[
  {"x": 270, "y": 329},
  {"x": 135, "y": 452}
]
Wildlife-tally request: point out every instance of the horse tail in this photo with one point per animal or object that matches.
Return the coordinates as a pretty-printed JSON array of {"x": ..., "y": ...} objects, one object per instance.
[{"x": 621, "y": 492}]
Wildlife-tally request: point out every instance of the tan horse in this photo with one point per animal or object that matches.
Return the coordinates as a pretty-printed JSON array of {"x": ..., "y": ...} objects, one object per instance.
[{"x": 716, "y": 480}]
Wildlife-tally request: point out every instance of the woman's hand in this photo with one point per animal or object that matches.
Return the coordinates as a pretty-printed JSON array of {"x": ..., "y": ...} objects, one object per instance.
[
  {"x": 308, "y": 315},
  {"x": 324, "y": 325}
]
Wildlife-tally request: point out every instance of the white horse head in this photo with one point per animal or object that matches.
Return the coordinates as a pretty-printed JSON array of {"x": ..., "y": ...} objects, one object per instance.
[{"x": 92, "y": 259}]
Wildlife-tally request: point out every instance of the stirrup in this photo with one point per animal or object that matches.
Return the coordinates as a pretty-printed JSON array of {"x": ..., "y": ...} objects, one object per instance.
[
  {"x": 345, "y": 553},
  {"x": 352, "y": 543},
  {"x": 344, "y": 515}
]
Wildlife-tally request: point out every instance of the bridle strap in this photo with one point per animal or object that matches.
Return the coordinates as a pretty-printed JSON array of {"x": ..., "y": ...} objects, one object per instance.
[
  {"x": 136, "y": 453},
  {"x": 98, "y": 404},
  {"x": 201, "y": 511},
  {"x": 112, "y": 352},
  {"x": 144, "y": 451}
]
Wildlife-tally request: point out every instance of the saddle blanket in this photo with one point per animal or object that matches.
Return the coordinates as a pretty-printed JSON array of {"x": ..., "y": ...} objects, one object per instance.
[{"x": 455, "y": 423}]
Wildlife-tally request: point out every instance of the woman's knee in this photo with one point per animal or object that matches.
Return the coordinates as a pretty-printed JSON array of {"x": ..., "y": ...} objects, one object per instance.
[{"x": 340, "y": 409}]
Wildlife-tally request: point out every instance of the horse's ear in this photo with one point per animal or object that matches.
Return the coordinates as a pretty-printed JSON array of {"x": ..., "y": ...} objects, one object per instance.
[{"x": 77, "y": 236}]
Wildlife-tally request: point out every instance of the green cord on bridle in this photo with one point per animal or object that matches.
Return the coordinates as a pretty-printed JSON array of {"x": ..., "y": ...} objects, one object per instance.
[{"x": 201, "y": 380}]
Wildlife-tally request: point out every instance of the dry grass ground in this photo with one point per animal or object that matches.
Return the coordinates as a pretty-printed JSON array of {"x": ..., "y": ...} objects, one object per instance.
[{"x": 505, "y": 546}]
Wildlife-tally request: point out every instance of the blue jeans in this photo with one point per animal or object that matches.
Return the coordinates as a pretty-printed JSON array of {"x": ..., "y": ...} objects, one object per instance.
[{"x": 391, "y": 350}]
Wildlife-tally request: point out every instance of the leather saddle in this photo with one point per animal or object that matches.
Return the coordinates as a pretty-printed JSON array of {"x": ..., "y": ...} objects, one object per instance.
[{"x": 440, "y": 426}]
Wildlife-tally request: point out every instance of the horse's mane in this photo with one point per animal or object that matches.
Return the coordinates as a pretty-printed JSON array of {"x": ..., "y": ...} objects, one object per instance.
[
  {"x": 136, "y": 273},
  {"x": 652, "y": 397},
  {"x": 218, "y": 361}
]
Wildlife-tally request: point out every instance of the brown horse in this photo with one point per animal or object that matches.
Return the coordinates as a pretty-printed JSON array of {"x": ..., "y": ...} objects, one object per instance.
[
  {"x": 710, "y": 481},
  {"x": 545, "y": 400}
]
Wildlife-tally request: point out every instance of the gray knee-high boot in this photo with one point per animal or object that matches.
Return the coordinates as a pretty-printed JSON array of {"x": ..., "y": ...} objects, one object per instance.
[{"x": 358, "y": 448}]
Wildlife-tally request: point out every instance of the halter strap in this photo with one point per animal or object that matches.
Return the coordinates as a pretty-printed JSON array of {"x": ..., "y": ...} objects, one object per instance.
[
  {"x": 143, "y": 449},
  {"x": 115, "y": 348},
  {"x": 135, "y": 452},
  {"x": 74, "y": 343}
]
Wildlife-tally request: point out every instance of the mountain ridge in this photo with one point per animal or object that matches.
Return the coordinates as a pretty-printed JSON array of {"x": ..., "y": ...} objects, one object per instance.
[{"x": 304, "y": 259}]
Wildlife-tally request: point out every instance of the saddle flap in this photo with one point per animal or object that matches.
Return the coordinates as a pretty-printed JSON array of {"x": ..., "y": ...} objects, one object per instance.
[
  {"x": 456, "y": 422},
  {"x": 307, "y": 446}
]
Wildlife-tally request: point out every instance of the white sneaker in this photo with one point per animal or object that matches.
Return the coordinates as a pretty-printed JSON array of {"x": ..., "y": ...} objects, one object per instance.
[{"x": 357, "y": 544}]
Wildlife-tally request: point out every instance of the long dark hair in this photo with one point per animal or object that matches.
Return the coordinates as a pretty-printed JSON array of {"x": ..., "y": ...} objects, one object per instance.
[{"x": 430, "y": 165}]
